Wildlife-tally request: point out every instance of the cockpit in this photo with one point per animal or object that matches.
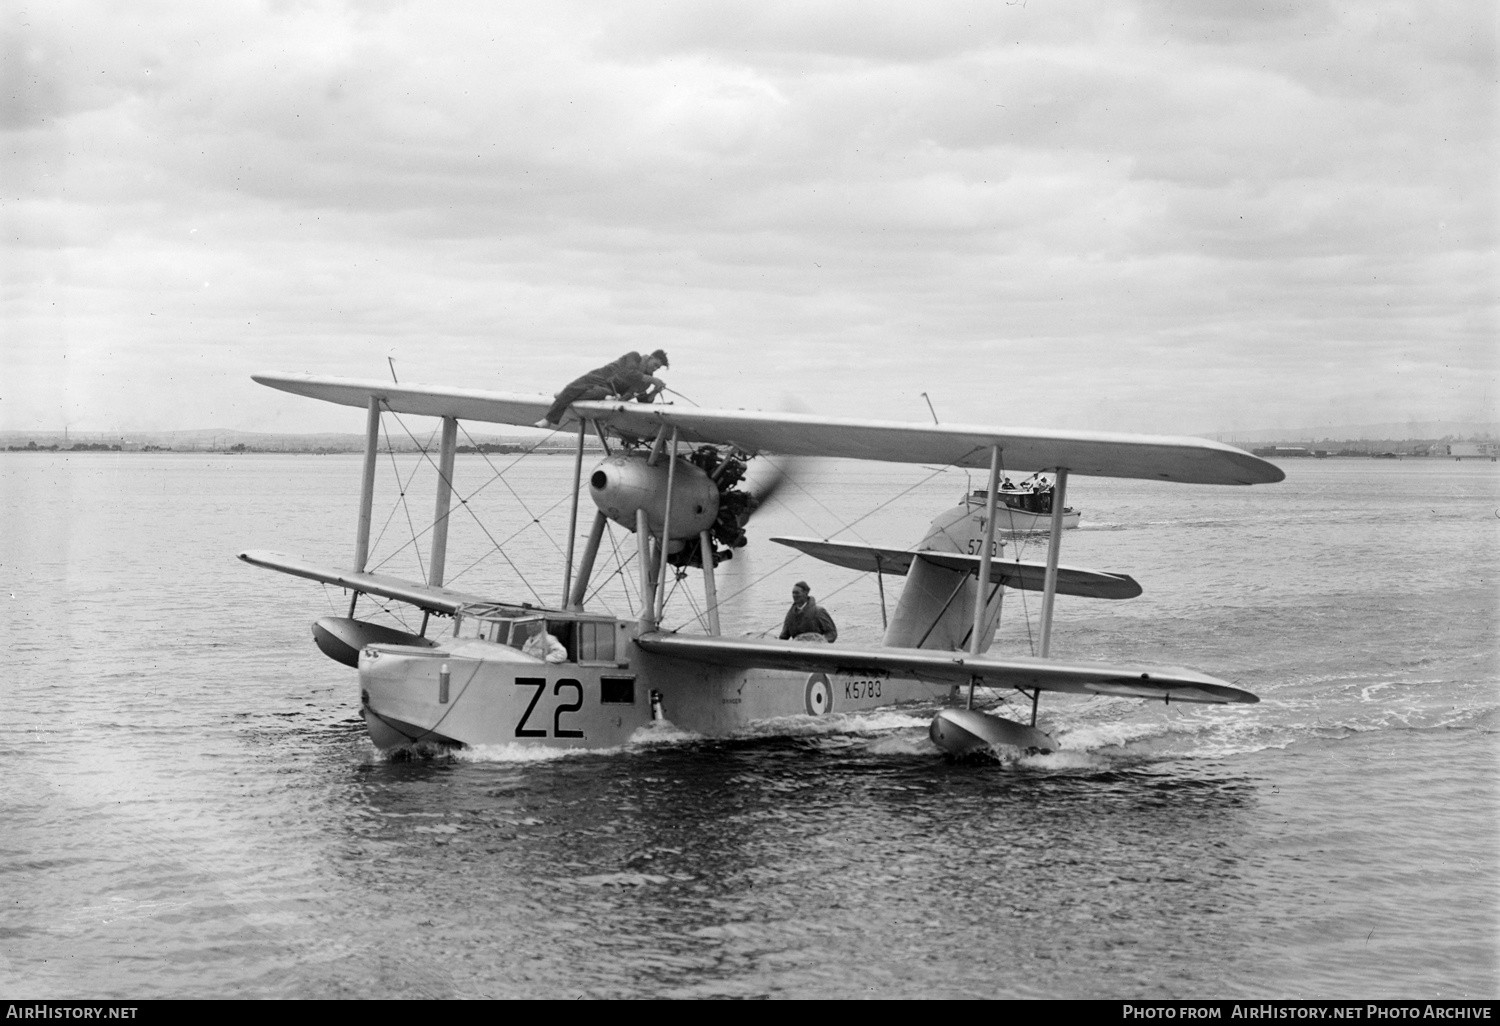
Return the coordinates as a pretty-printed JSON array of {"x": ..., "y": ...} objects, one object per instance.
[{"x": 580, "y": 639}]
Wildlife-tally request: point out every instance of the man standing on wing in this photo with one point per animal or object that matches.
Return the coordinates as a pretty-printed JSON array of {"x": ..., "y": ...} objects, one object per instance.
[{"x": 806, "y": 620}]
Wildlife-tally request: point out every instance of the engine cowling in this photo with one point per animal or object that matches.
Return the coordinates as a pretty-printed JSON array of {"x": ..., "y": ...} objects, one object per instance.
[{"x": 625, "y": 483}]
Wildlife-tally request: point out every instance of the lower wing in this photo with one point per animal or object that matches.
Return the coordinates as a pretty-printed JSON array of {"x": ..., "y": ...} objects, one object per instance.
[
  {"x": 423, "y": 596},
  {"x": 1167, "y": 683}
]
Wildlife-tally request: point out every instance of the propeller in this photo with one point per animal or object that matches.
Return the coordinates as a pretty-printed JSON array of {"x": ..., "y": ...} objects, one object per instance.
[
  {"x": 745, "y": 487},
  {"x": 740, "y": 495},
  {"x": 762, "y": 487},
  {"x": 741, "y": 599}
]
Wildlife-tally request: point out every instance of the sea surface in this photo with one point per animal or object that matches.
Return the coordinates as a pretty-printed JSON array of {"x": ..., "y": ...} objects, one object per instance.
[{"x": 192, "y": 808}]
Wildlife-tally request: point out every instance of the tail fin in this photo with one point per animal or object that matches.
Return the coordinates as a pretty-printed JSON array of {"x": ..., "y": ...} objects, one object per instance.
[{"x": 936, "y": 609}]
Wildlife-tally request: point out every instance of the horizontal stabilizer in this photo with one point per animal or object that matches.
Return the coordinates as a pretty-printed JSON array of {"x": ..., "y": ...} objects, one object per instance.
[
  {"x": 1088, "y": 453},
  {"x": 1168, "y": 683},
  {"x": 437, "y": 600},
  {"x": 1013, "y": 573}
]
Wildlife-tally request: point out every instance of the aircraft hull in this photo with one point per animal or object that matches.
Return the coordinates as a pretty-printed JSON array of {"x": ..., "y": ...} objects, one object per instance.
[
  {"x": 496, "y": 696},
  {"x": 393, "y": 733}
]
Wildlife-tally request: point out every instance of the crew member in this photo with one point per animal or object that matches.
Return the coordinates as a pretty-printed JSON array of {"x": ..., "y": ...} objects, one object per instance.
[
  {"x": 542, "y": 644},
  {"x": 806, "y": 620},
  {"x": 629, "y": 377}
]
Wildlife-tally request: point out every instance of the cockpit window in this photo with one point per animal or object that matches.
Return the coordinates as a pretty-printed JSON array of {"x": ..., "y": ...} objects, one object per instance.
[
  {"x": 522, "y": 631},
  {"x": 483, "y": 623},
  {"x": 596, "y": 642}
]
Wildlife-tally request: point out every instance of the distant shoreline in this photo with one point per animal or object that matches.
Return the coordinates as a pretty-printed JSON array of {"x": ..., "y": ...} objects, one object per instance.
[
  {"x": 154, "y": 450},
  {"x": 568, "y": 450}
]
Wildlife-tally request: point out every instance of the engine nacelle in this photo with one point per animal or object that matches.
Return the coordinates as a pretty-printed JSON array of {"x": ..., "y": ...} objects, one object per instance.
[{"x": 623, "y": 484}]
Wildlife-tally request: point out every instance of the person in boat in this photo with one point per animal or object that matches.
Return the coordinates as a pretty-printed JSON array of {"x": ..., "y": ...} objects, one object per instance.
[
  {"x": 632, "y": 376},
  {"x": 806, "y": 620}
]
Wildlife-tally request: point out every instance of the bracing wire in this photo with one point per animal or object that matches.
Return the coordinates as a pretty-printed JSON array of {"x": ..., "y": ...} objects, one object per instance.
[
  {"x": 903, "y": 492},
  {"x": 401, "y": 503},
  {"x": 848, "y": 526},
  {"x": 681, "y": 396},
  {"x": 424, "y": 451},
  {"x": 402, "y": 487},
  {"x": 621, "y": 566},
  {"x": 500, "y": 476}
]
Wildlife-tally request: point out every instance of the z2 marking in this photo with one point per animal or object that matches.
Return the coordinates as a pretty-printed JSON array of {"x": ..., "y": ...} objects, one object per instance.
[
  {"x": 557, "y": 727},
  {"x": 540, "y": 684}
]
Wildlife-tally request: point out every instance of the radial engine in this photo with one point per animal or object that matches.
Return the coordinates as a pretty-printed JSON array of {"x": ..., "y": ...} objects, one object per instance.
[
  {"x": 625, "y": 483},
  {"x": 703, "y": 499}
]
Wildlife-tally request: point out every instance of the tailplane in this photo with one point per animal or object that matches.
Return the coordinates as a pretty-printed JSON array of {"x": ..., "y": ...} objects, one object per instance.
[{"x": 936, "y": 608}]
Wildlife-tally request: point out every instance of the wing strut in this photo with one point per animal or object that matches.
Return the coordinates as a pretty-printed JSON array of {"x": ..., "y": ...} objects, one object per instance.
[
  {"x": 981, "y": 605},
  {"x": 666, "y": 533},
  {"x": 643, "y": 558},
  {"x": 710, "y": 590},
  {"x": 444, "y": 497},
  {"x": 1049, "y": 588},
  {"x": 586, "y": 564},
  {"x": 986, "y": 554},
  {"x": 367, "y": 486},
  {"x": 567, "y": 588}
]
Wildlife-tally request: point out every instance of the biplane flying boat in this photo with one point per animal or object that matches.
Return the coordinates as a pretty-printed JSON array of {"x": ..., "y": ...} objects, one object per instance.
[{"x": 565, "y": 675}]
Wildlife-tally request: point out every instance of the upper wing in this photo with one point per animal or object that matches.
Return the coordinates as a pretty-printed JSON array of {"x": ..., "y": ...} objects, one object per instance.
[
  {"x": 437, "y": 600},
  {"x": 1014, "y": 573},
  {"x": 1169, "y": 683},
  {"x": 1097, "y": 454},
  {"x": 421, "y": 400}
]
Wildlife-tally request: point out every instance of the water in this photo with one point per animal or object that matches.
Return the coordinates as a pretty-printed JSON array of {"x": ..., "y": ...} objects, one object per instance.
[{"x": 193, "y": 810}]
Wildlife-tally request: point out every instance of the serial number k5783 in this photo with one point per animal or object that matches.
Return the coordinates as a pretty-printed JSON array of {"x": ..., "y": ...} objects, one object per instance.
[{"x": 856, "y": 689}]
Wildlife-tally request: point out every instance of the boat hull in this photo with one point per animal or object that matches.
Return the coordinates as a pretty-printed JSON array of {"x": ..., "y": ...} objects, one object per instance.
[
  {"x": 493, "y": 695},
  {"x": 1018, "y": 521}
]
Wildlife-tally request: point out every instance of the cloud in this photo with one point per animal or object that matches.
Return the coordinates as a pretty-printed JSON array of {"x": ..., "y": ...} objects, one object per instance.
[{"x": 1160, "y": 217}]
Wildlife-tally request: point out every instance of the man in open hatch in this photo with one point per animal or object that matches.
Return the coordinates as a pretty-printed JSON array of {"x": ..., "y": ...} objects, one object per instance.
[{"x": 806, "y": 620}]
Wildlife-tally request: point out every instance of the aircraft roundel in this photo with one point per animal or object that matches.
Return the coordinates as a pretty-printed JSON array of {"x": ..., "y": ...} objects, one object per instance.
[{"x": 819, "y": 695}]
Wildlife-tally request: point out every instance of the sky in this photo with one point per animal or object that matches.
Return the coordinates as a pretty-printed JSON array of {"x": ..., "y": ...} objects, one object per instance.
[{"x": 1148, "y": 215}]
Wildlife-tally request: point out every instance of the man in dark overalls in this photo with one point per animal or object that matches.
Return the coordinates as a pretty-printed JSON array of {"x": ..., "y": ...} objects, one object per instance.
[
  {"x": 628, "y": 377},
  {"x": 806, "y": 620}
]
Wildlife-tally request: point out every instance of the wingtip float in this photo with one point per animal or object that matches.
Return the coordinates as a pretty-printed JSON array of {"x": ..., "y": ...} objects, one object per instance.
[{"x": 569, "y": 676}]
